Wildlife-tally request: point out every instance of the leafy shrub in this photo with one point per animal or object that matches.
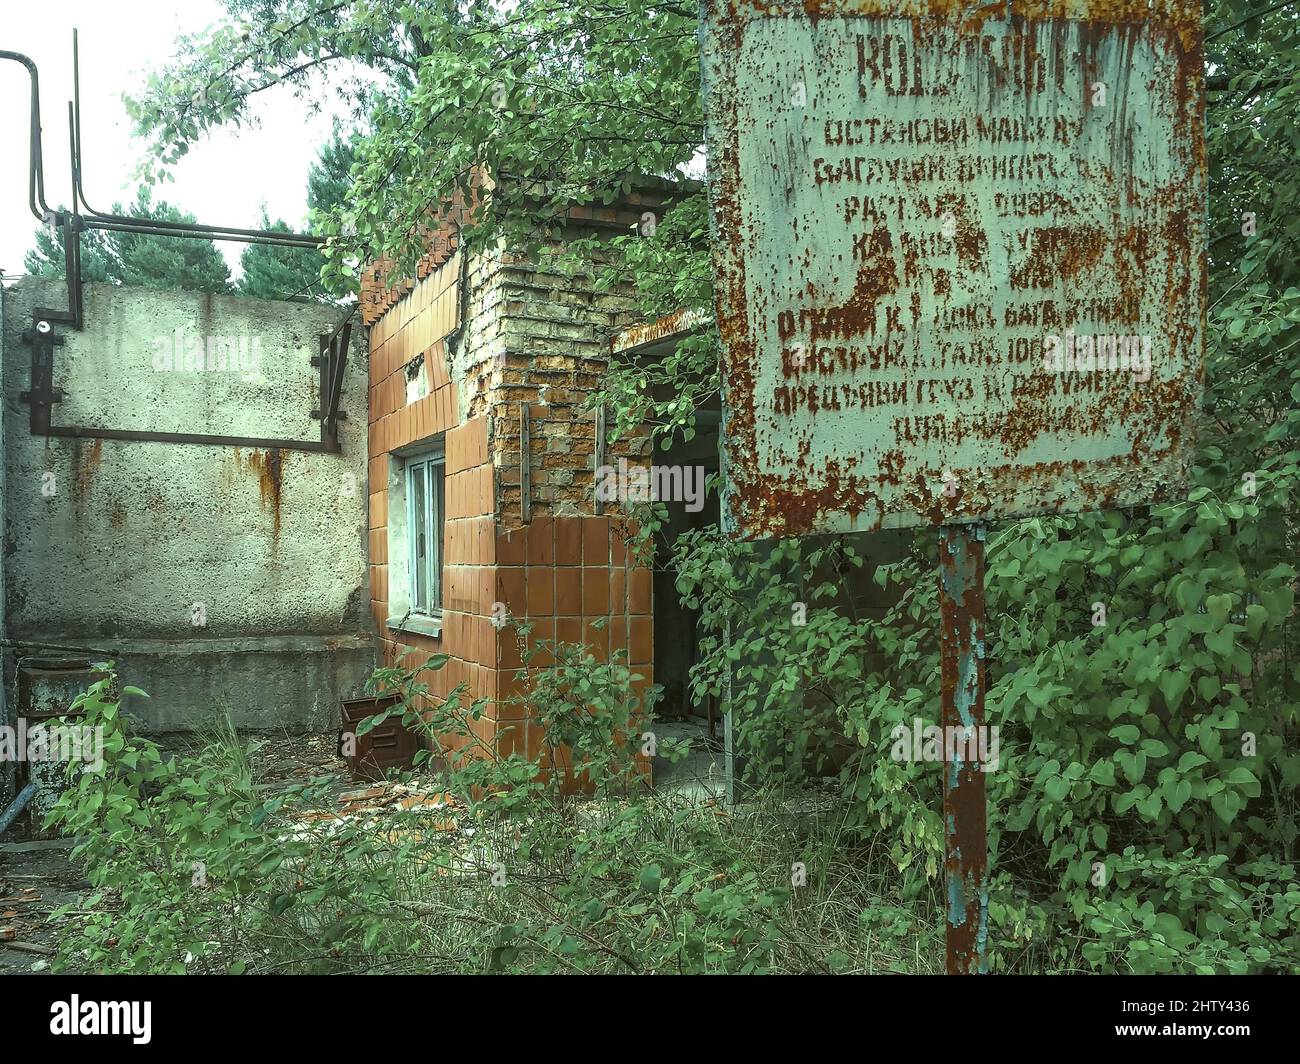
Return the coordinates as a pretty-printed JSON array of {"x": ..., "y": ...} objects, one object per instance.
[
  {"x": 1146, "y": 796},
  {"x": 196, "y": 868}
]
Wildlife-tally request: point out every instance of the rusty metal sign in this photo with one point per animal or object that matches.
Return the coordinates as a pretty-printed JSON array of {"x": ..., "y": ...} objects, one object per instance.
[{"x": 961, "y": 256}]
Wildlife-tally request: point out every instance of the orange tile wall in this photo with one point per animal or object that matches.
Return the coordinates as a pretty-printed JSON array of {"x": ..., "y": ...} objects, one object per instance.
[
  {"x": 559, "y": 573},
  {"x": 418, "y": 325}
]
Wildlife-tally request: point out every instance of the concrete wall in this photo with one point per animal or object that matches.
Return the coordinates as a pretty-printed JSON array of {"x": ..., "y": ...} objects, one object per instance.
[
  {"x": 138, "y": 540},
  {"x": 8, "y": 769}
]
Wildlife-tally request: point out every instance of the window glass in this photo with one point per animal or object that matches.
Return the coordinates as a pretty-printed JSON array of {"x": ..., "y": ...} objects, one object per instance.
[
  {"x": 435, "y": 525},
  {"x": 421, "y": 541}
]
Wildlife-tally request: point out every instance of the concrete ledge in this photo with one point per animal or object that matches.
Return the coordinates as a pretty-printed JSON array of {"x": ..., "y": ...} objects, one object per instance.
[
  {"x": 238, "y": 644},
  {"x": 420, "y": 625},
  {"x": 282, "y": 683}
]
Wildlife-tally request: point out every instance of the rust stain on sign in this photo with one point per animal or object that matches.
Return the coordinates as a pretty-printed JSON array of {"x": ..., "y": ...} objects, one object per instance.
[{"x": 960, "y": 255}]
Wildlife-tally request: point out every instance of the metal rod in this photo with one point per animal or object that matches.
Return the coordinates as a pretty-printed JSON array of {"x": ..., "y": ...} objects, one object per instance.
[
  {"x": 16, "y": 806},
  {"x": 35, "y": 169},
  {"x": 525, "y": 465},
  {"x": 175, "y": 228},
  {"x": 598, "y": 462},
  {"x": 965, "y": 812},
  {"x": 72, "y": 243},
  {"x": 78, "y": 432},
  {"x": 41, "y": 209},
  {"x": 147, "y": 228},
  {"x": 338, "y": 347}
]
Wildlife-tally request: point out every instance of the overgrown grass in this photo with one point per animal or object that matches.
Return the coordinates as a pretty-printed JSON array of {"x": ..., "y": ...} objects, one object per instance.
[{"x": 197, "y": 867}]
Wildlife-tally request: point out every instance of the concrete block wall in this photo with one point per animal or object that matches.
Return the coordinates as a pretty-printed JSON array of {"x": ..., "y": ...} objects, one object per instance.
[{"x": 110, "y": 545}]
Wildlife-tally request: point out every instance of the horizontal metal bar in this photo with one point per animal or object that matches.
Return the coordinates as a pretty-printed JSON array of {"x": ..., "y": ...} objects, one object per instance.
[
  {"x": 124, "y": 223},
  {"x": 56, "y": 317},
  {"x": 147, "y": 228},
  {"x": 144, "y": 436}
]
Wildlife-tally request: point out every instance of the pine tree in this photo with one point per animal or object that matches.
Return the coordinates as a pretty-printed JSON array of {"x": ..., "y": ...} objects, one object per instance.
[
  {"x": 136, "y": 258},
  {"x": 271, "y": 272}
]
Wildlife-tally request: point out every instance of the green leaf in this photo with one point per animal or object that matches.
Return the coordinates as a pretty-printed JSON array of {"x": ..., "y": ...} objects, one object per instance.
[
  {"x": 1242, "y": 777},
  {"x": 370, "y": 723},
  {"x": 1173, "y": 685},
  {"x": 1220, "y": 643},
  {"x": 650, "y": 878},
  {"x": 1227, "y": 804},
  {"x": 1103, "y": 773},
  {"x": 1218, "y": 607},
  {"x": 1154, "y": 748}
]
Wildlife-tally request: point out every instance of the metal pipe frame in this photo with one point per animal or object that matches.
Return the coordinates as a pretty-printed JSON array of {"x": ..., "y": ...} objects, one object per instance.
[
  {"x": 42, "y": 395},
  {"x": 188, "y": 229},
  {"x": 92, "y": 219}
]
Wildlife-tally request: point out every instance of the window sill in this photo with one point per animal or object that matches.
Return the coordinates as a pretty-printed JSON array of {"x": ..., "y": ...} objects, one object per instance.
[{"x": 419, "y": 623}]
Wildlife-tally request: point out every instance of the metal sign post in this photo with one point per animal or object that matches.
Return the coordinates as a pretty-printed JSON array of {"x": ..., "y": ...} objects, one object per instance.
[{"x": 965, "y": 814}]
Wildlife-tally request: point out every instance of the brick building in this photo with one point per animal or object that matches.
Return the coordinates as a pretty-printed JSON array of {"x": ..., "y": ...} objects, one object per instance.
[{"x": 481, "y": 468}]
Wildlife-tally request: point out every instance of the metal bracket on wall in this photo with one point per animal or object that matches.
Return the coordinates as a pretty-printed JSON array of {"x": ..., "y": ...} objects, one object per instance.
[
  {"x": 525, "y": 466},
  {"x": 42, "y": 395},
  {"x": 598, "y": 460},
  {"x": 332, "y": 359}
]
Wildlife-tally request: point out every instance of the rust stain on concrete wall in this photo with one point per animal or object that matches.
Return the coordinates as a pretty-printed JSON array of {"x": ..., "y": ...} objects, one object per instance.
[
  {"x": 86, "y": 458},
  {"x": 268, "y": 466}
]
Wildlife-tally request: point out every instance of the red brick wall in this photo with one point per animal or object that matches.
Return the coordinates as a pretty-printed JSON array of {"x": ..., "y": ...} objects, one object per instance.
[{"x": 559, "y": 573}]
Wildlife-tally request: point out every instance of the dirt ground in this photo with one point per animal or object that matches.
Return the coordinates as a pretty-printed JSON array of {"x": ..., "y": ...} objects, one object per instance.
[{"x": 36, "y": 877}]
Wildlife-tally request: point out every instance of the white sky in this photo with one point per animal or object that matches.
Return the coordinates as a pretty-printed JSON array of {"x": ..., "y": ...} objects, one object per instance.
[{"x": 224, "y": 180}]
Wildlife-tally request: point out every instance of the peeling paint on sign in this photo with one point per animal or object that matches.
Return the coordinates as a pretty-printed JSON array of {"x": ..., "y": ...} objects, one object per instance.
[{"x": 933, "y": 222}]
